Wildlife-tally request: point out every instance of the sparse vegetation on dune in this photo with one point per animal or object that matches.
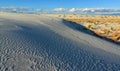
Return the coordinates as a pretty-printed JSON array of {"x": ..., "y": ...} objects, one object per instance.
[{"x": 104, "y": 26}]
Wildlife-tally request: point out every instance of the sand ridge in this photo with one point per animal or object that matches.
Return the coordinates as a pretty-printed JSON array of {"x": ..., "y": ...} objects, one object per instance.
[{"x": 44, "y": 43}]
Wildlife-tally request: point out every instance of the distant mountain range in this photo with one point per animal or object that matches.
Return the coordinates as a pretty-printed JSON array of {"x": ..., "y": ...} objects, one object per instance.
[{"x": 90, "y": 11}]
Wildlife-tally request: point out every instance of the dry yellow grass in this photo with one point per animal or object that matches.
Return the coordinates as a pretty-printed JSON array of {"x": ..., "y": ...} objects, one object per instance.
[
  {"x": 104, "y": 26},
  {"x": 95, "y": 20}
]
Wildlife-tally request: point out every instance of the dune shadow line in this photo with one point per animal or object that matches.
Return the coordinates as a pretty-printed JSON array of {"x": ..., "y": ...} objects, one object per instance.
[{"x": 81, "y": 28}]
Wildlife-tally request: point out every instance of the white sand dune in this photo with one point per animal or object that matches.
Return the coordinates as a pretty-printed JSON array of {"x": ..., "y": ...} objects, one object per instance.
[{"x": 42, "y": 43}]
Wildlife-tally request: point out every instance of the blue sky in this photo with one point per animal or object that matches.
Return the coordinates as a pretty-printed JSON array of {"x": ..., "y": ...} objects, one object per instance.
[{"x": 50, "y": 4}]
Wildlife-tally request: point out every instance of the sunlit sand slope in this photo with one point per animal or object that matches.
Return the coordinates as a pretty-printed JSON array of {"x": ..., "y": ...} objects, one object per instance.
[{"x": 41, "y": 43}]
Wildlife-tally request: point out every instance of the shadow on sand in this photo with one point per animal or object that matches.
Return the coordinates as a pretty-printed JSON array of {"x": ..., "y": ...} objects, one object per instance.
[{"x": 81, "y": 28}]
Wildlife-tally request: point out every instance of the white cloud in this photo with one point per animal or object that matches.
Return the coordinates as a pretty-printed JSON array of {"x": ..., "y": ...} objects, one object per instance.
[
  {"x": 88, "y": 10},
  {"x": 100, "y": 10},
  {"x": 73, "y": 10},
  {"x": 59, "y": 9}
]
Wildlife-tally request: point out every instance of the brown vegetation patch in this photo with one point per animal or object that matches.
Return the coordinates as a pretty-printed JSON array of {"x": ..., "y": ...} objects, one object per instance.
[{"x": 104, "y": 26}]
